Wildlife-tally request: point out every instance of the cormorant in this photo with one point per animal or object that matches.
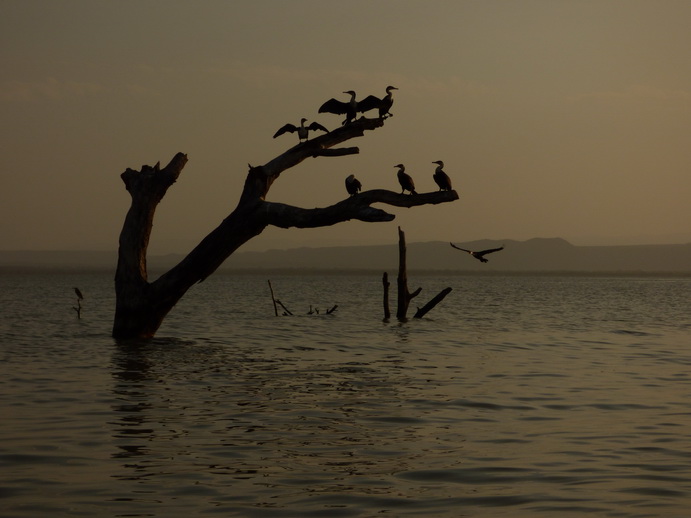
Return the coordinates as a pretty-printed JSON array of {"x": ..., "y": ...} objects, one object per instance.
[
  {"x": 405, "y": 180},
  {"x": 79, "y": 294},
  {"x": 442, "y": 179},
  {"x": 479, "y": 255},
  {"x": 350, "y": 108},
  {"x": 302, "y": 130},
  {"x": 353, "y": 185},
  {"x": 383, "y": 105}
]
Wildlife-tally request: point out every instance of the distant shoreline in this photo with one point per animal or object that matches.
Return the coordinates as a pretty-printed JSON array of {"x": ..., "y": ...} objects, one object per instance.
[
  {"x": 542, "y": 256},
  {"x": 268, "y": 272}
]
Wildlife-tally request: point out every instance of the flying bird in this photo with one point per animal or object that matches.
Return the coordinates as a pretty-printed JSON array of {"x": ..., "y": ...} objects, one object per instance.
[
  {"x": 349, "y": 108},
  {"x": 302, "y": 130},
  {"x": 480, "y": 256},
  {"x": 405, "y": 180},
  {"x": 441, "y": 178},
  {"x": 383, "y": 105},
  {"x": 353, "y": 185},
  {"x": 79, "y": 294}
]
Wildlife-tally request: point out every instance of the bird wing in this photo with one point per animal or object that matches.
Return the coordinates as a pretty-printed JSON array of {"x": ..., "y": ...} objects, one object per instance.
[
  {"x": 459, "y": 248},
  {"x": 334, "y": 106},
  {"x": 368, "y": 103},
  {"x": 483, "y": 252},
  {"x": 316, "y": 126},
  {"x": 287, "y": 127}
]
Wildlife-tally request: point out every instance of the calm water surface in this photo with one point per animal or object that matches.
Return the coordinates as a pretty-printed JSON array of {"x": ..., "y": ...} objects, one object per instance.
[{"x": 517, "y": 396}]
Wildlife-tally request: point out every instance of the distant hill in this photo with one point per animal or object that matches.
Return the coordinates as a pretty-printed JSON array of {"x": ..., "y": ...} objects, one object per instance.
[
  {"x": 538, "y": 254},
  {"x": 57, "y": 260}
]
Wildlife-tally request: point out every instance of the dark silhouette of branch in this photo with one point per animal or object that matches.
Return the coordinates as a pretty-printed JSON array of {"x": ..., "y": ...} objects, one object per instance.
[
  {"x": 421, "y": 312},
  {"x": 355, "y": 207}
]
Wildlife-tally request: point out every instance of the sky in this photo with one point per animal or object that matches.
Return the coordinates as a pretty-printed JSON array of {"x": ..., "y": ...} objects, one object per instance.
[{"x": 554, "y": 118}]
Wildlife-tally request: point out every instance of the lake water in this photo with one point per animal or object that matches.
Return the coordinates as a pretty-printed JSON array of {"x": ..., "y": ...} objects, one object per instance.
[{"x": 517, "y": 396}]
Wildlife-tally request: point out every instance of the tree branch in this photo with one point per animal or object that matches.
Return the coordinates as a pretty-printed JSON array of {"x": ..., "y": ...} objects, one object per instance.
[
  {"x": 356, "y": 207},
  {"x": 265, "y": 175},
  {"x": 343, "y": 151}
]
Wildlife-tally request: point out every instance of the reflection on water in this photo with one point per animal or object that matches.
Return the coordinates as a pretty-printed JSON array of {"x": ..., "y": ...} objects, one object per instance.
[{"x": 516, "y": 397}]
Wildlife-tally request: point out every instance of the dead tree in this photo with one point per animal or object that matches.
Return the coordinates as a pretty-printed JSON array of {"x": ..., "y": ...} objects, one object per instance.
[
  {"x": 404, "y": 296},
  {"x": 141, "y": 305}
]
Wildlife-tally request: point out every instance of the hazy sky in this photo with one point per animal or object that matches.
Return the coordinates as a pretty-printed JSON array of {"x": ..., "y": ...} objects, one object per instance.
[{"x": 554, "y": 118}]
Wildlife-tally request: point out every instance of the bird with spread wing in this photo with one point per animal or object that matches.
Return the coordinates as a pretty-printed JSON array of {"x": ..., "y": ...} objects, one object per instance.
[
  {"x": 480, "y": 256},
  {"x": 383, "y": 105},
  {"x": 301, "y": 130}
]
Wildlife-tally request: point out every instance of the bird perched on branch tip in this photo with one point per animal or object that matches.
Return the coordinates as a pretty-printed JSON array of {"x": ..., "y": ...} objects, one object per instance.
[{"x": 440, "y": 177}]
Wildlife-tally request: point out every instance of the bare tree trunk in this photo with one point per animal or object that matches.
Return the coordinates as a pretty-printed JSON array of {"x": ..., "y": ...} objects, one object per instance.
[
  {"x": 404, "y": 296},
  {"x": 141, "y": 305}
]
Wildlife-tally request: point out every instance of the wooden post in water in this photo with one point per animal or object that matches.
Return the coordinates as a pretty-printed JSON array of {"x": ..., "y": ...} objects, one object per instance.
[
  {"x": 273, "y": 299},
  {"x": 80, "y": 297},
  {"x": 386, "y": 283}
]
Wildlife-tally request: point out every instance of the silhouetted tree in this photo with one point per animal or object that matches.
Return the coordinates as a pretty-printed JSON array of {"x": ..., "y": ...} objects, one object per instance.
[{"x": 141, "y": 305}]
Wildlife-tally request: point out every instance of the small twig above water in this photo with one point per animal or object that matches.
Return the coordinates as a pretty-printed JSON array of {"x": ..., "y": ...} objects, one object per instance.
[
  {"x": 273, "y": 299},
  {"x": 287, "y": 311},
  {"x": 80, "y": 297}
]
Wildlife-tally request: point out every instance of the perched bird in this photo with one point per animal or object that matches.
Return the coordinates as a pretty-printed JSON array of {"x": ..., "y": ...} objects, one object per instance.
[
  {"x": 405, "y": 180},
  {"x": 480, "y": 256},
  {"x": 302, "y": 130},
  {"x": 383, "y": 105},
  {"x": 349, "y": 108},
  {"x": 79, "y": 294},
  {"x": 441, "y": 178},
  {"x": 353, "y": 185}
]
